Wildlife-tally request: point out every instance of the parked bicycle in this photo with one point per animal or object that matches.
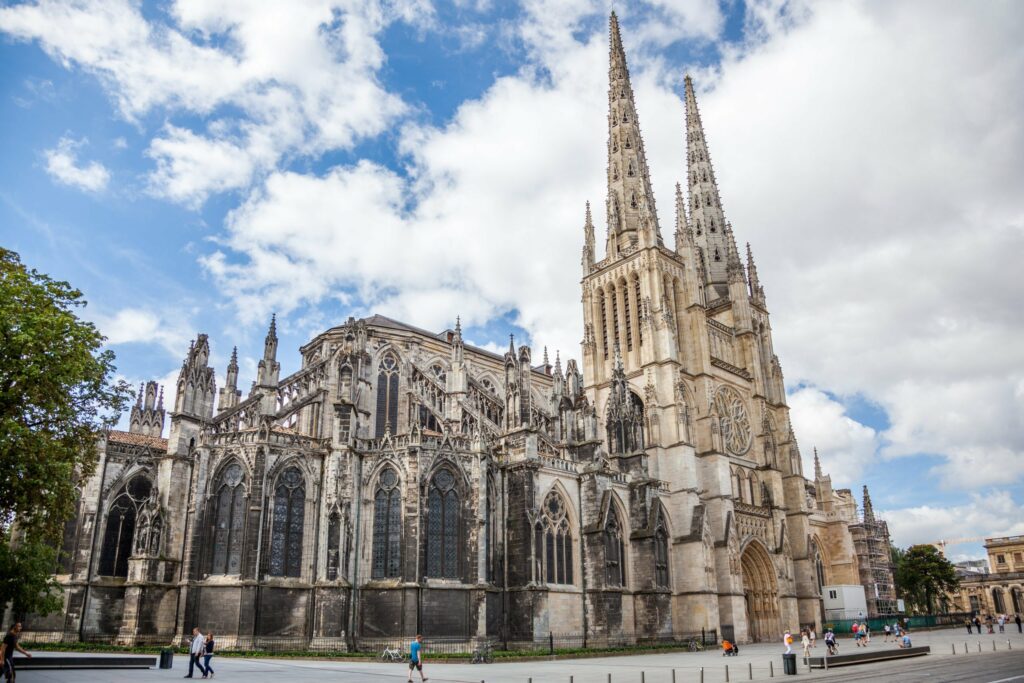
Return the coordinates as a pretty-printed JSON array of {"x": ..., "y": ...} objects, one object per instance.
[
  {"x": 695, "y": 645},
  {"x": 484, "y": 654},
  {"x": 392, "y": 655}
]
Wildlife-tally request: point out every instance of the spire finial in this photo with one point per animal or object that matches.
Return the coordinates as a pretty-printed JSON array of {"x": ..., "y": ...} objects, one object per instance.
[
  {"x": 458, "y": 325},
  {"x": 817, "y": 465},
  {"x": 632, "y": 217},
  {"x": 160, "y": 400},
  {"x": 734, "y": 267},
  {"x": 558, "y": 363},
  {"x": 706, "y": 214},
  {"x": 756, "y": 290},
  {"x": 142, "y": 389},
  {"x": 234, "y": 356},
  {"x": 589, "y": 246},
  {"x": 546, "y": 363},
  {"x": 512, "y": 344},
  {"x": 869, "y": 510}
]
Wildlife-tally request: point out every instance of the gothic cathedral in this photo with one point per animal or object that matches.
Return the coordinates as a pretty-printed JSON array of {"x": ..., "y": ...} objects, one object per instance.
[{"x": 403, "y": 482}]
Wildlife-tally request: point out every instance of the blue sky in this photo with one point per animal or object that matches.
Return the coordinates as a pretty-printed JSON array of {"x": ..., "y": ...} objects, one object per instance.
[{"x": 196, "y": 166}]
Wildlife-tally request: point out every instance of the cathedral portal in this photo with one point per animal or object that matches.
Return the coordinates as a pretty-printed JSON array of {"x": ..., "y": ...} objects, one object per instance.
[{"x": 760, "y": 593}]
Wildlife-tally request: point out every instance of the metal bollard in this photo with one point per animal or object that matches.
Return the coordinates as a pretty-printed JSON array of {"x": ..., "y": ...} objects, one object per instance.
[
  {"x": 993, "y": 646},
  {"x": 726, "y": 673},
  {"x": 750, "y": 667},
  {"x": 609, "y": 678},
  {"x": 954, "y": 648},
  {"x": 966, "y": 651},
  {"x": 979, "y": 646},
  {"x": 702, "y": 674},
  {"x": 771, "y": 669},
  {"x": 643, "y": 677},
  {"x": 1008, "y": 646},
  {"x": 673, "y": 676}
]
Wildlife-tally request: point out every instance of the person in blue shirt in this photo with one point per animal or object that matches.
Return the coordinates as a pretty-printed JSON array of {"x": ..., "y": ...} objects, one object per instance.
[
  {"x": 906, "y": 640},
  {"x": 416, "y": 657}
]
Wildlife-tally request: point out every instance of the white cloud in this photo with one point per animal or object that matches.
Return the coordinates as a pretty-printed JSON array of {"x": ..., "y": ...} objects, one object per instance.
[
  {"x": 266, "y": 83},
  {"x": 62, "y": 164},
  {"x": 144, "y": 326},
  {"x": 983, "y": 514},
  {"x": 846, "y": 447}
]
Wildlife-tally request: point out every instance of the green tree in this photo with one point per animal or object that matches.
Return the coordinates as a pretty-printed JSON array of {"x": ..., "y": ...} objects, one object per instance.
[
  {"x": 57, "y": 393},
  {"x": 923, "y": 575}
]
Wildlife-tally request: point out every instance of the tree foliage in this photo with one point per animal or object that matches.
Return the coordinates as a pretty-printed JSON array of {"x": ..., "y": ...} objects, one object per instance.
[
  {"x": 57, "y": 394},
  {"x": 923, "y": 575}
]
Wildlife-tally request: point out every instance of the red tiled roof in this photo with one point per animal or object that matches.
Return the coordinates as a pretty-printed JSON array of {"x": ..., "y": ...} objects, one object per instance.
[{"x": 117, "y": 436}]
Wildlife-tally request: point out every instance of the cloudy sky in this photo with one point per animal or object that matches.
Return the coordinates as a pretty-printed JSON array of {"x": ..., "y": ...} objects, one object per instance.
[{"x": 195, "y": 166}]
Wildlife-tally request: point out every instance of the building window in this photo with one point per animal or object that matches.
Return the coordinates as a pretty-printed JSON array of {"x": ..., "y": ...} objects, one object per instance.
[
  {"x": 1016, "y": 557},
  {"x": 1000, "y": 559},
  {"x": 832, "y": 595},
  {"x": 661, "y": 579},
  {"x": 387, "y": 527},
  {"x": 443, "y": 527},
  {"x": 119, "y": 536},
  {"x": 333, "y": 546},
  {"x": 614, "y": 552},
  {"x": 387, "y": 395},
  {"x": 492, "y": 531},
  {"x": 289, "y": 521},
  {"x": 229, "y": 522},
  {"x": 553, "y": 543}
]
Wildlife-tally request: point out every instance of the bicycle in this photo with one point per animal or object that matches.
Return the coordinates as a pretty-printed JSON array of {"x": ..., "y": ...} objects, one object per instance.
[
  {"x": 695, "y": 646},
  {"x": 484, "y": 654},
  {"x": 389, "y": 655}
]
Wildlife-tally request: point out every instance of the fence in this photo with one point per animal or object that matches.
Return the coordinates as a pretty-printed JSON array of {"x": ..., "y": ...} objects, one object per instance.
[
  {"x": 877, "y": 625},
  {"x": 550, "y": 643}
]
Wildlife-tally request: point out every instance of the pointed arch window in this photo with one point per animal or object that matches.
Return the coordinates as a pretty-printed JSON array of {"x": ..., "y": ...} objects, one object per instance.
[
  {"x": 387, "y": 527},
  {"x": 229, "y": 521},
  {"x": 553, "y": 543},
  {"x": 614, "y": 552},
  {"x": 627, "y": 314},
  {"x": 119, "y": 535},
  {"x": 637, "y": 304},
  {"x": 661, "y": 578},
  {"x": 289, "y": 522},
  {"x": 631, "y": 170},
  {"x": 345, "y": 383},
  {"x": 333, "y": 546},
  {"x": 387, "y": 394},
  {"x": 492, "y": 531},
  {"x": 603, "y": 304},
  {"x": 443, "y": 526},
  {"x": 632, "y": 200}
]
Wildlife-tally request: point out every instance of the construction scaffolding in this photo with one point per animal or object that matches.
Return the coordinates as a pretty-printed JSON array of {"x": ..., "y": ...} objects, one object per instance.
[{"x": 871, "y": 543}]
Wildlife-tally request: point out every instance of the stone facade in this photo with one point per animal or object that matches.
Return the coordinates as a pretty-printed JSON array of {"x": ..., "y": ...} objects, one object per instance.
[
  {"x": 402, "y": 481},
  {"x": 997, "y": 591}
]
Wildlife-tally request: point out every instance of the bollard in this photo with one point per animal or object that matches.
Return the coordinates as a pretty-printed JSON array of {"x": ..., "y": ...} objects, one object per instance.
[
  {"x": 609, "y": 678},
  {"x": 954, "y": 648},
  {"x": 673, "y": 676},
  {"x": 750, "y": 666},
  {"x": 643, "y": 677},
  {"x": 1008, "y": 646},
  {"x": 771, "y": 669},
  {"x": 993, "y": 646},
  {"x": 726, "y": 673},
  {"x": 979, "y": 646},
  {"x": 966, "y": 651},
  {"x": 702, "y": 674}
]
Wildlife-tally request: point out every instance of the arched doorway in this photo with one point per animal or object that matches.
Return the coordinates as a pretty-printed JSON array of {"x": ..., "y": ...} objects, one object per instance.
[
  {"x": 997, "y": 599},
  {"x": 1018, "y": 603},
  {"x": 760, "y": 593}
]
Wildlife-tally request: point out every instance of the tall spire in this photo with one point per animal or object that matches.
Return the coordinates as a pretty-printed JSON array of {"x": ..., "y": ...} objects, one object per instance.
[
  {"x": 684, "y": 231},
  {"x": 632, "y": 218},
  {"x": 232, "y": 374},
  {"x": 270, "y": 343},
  {"x": 588, "y": 242},
  {"x": 756, "y": 290},
  {"x": 869, "y": 510},
  {"x": 733, "y": 265},
  {"x": 817, "y": 465},
  {"x": 706, "y": 215}
]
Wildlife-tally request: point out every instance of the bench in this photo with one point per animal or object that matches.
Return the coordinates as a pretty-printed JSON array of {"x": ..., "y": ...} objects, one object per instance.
[
  {"x": 84, "y": 662},
  {"x": 868, "y": 655}
]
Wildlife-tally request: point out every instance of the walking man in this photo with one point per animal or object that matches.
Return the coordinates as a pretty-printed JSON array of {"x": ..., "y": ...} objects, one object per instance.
[
  {"x": 1002, "y": 623},
  {"x": 416, "y": 657},
  {"x": 196, "y": 650},
  {"x": 886, "y": 629},
  {"x": 1017, "y": 619},
  {"x": 7, "y": 648}
]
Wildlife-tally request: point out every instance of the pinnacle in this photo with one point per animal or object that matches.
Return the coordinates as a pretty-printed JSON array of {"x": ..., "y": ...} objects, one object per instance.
[
  {"x": 234, "y": 356},
  {"x": 272, "y": 332}
]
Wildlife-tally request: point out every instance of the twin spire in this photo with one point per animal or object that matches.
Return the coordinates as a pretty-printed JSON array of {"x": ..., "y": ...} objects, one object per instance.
[{"x": 632, "y": 218}]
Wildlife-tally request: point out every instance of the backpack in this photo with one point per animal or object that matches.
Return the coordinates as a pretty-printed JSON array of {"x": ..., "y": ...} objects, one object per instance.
[{"x": 789, "y": 640}]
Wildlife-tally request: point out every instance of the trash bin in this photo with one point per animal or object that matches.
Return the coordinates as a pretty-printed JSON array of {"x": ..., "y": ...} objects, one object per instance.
[
  {"x": 789, "y": 664},
  {"x": 166, "y": 658}
]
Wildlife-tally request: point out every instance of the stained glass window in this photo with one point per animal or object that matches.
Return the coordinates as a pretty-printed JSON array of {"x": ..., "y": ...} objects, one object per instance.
[
  {"x": 288, "y": 524},
  {"x": 614, "y": 552},
  {"x": 119, "y": 533},
  {"x": 553, "y": 543},
  {"x": 387, "y": 394},
  {"x": 443, "y": 527},
  {"x": 660, "y": 554},
  {"x": 333, "y": 546},
  {"x": 229, "y": 522},
  {"x": 387, "y": 527}
]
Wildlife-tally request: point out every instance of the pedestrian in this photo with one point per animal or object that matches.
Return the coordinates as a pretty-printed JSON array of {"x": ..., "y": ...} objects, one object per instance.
[
  {"x": 1018, "y": 620},
  {"x": 988, "y": 623},
  {"x": 1002, "y": 623},
  {"x": 7, "y": 648},
  {"x": 969, "y": 631},
  {"x": 886, "y": 629},
  {"x": 814, "y": 637},
  {"x": 855, "y": 630},
  {"x": 208, "y": 655},
  {"x": 905, "y": 641},
  {"x": 787, "y": 640},
  {"x": 805, "y": 641},
  {"x": 864, "y": 634},
  {"x": 830, "y": 642},
  {"x": 977, "y": 624},
  {"x": 195, "y": 651},
  {"x": 416, "y": 657}
]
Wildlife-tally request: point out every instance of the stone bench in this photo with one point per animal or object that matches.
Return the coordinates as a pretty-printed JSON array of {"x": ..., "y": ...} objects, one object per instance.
[
  {"x": 84, "y": 662},
  {"x": 868, "y": 655}
]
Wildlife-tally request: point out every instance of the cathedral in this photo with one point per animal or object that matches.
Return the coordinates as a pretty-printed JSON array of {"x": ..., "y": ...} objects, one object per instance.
[{"x": 402, "y": 481}]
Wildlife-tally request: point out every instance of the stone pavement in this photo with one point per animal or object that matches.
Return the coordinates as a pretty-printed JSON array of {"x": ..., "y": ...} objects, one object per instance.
[{"x": 754, "y": 660}]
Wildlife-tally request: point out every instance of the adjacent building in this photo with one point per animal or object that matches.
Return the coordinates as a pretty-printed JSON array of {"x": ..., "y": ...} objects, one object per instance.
[{"x": 1000, "y": 589}]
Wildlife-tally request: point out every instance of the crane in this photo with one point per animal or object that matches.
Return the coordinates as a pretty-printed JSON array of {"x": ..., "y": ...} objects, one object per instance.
[{"x": 941, "y": 545}]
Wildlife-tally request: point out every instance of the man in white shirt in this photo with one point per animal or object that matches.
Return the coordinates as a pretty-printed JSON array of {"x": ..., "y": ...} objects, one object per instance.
[{"x": 196, "y": 651}]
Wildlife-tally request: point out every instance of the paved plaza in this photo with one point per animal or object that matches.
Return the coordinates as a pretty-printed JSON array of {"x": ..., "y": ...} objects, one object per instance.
[{"x": 1003, "y": 665}]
